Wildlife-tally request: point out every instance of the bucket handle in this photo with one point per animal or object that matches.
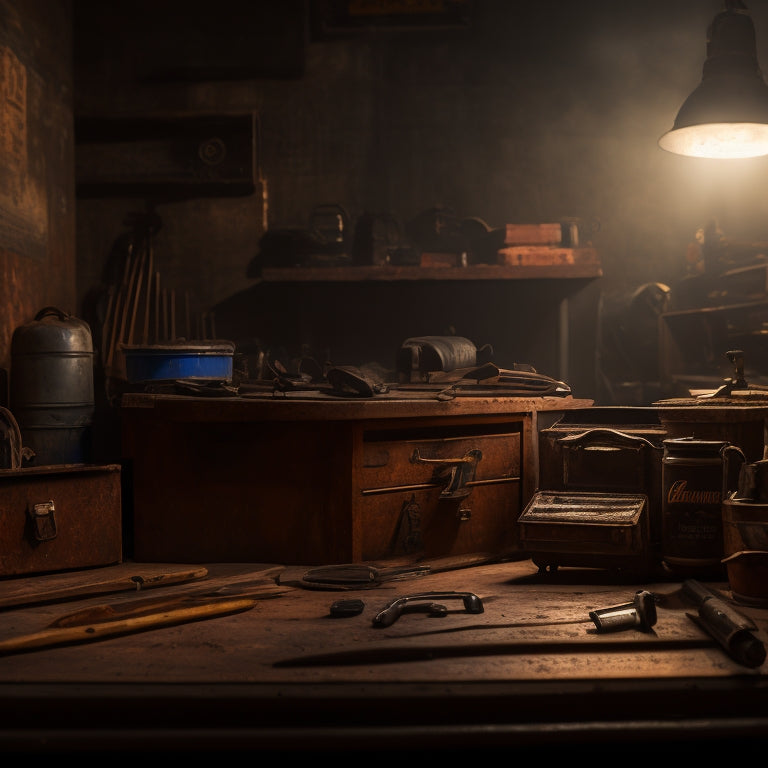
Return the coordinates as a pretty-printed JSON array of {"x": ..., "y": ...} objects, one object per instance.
[
  {"x": 732, "y": 475},
  {"x": 608, "y": 438},
  {"x": 52, "y": 311}
]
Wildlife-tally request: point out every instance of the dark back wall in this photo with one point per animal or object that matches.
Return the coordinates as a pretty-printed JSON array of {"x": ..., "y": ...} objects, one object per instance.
[
  {"x": 37, "y": 191},
  {"x": 531, "y": 112}
]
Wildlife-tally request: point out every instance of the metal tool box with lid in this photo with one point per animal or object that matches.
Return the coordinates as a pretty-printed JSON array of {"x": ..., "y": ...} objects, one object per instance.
[
  {"x": 59, "y": 517},
  {"x": 599, "y": 497}
]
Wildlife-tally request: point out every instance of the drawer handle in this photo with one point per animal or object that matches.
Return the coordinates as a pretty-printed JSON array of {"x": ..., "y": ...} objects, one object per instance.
[
  {"x": 395, "y": 609},
  {"x": 454, "y": 474},
  {"x": 43, "y": 521}
]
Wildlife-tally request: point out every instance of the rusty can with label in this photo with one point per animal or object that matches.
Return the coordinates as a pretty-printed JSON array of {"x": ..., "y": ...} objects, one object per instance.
[{"x": 696, "y": 477}]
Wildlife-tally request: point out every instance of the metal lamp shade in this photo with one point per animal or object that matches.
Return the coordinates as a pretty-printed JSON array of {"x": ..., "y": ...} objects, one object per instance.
[{"x": 726, "y": 116}]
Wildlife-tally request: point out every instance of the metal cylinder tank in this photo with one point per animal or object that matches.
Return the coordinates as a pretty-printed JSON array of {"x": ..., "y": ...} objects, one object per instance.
[{"x": 52, "y": 387}]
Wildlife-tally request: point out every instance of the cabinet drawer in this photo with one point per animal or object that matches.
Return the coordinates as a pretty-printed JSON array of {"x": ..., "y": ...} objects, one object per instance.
[
  {"x": 416, "y": 524},
  {"x": 435, "y": 493},
  {"x": 426, "y": 457}
]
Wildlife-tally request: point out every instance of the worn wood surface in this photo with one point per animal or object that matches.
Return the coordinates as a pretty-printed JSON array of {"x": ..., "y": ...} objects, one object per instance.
[
  {"x": 135, "y": 405},
  {"x": 72, "y": 585},
  {"x": 535, "y": 627},
  {"x": 280, "y": 495},
  {"x": 474, "y": 272}
]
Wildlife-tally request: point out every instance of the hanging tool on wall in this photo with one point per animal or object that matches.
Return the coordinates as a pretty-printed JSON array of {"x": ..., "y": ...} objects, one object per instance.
[{"x": 133, "y": 258}]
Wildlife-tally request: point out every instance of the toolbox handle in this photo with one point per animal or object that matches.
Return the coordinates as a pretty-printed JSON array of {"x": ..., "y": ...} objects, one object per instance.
[{"x": 604, "y": 437}]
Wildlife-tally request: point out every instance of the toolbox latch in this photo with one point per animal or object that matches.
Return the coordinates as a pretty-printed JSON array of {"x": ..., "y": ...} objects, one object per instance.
[{"x": 43, "y": 521}]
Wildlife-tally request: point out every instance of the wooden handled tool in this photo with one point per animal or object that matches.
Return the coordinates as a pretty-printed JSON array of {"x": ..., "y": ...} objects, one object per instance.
[
  {"x": 106, "y": 612},
  {"x": 97, "y": 622},
  {"x": 83, "y": 633},
  {"x": 70, "y": 586}
]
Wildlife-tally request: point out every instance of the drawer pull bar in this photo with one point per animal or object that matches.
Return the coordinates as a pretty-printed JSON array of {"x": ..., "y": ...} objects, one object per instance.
[
  {"x": 395, "y": 609},
  {"x": 427, "y": 486},
  {"x": 454, "y": 474}
]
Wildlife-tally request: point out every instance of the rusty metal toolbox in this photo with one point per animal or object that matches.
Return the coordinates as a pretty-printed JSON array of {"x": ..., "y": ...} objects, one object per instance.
[
  {"x": 594, "y": 466},
  {"x": 599, "y": 530},
  {"x": 59, "y": 517},
  {"x": 579, "y": 452}
]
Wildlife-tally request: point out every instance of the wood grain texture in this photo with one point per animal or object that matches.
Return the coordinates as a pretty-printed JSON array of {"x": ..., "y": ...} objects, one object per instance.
[
  {"x": 87, "y": 633},
  {"x": 534, "y": 628},
  {"x": 124, "y": 577}
]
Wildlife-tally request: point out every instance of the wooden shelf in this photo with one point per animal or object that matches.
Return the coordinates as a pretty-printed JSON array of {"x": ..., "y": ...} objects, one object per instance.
[
  {"x": 394, "y": 273},
  {"x": 693, "y": 344}
]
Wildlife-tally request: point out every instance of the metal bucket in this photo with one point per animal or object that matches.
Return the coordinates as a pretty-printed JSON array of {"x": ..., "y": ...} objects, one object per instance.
[
  {"x": 52, "y": 389},
  {"x": 696, "y": 477}
]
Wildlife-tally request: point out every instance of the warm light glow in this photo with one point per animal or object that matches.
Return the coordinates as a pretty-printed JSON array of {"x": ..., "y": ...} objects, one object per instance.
[
  {"x": 718, "y": 140},
  {"x": 726, "y": 116}
]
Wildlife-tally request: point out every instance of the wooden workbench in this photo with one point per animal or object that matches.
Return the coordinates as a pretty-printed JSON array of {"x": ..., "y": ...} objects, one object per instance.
[
  {"x": 284, "y": 676},
  {"x": 327, "y": 480}
]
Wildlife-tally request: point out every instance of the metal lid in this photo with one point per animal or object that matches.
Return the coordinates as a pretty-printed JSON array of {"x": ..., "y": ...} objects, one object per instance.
[
  {"x": 52, "y": 330},
  {"x": 182, "y": 346},
  {"x": 694, "y": 445}
]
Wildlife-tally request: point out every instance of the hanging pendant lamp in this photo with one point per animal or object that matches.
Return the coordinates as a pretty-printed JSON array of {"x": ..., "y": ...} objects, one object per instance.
[{"x": 726, "y": 116}]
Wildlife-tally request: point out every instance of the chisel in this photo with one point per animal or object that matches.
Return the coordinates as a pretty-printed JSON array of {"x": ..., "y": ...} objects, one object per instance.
[{"x": 732, "y": 629}]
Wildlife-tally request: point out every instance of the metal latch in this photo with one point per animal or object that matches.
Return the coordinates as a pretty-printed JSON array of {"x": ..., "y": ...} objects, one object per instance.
[
  {"x": 453, "y": 473},
  {"x": 43, "y": 521}
]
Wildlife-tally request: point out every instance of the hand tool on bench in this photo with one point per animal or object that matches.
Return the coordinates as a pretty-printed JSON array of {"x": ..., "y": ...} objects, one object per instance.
[
  {"x": 731, "y": 628},
  {"x": 719, "y": 619},
  {"x": 368, "y": 575},
  {"x": 56, "y": 635},
  {"x": 358, "y": 575},
  {"x": 639, "y": 614},
  {"x": 121, "y": 618},
  {"x": 99, "y": 581},
  {"x": 393, "y": 610},
  {"x": 349, "y": 576}
]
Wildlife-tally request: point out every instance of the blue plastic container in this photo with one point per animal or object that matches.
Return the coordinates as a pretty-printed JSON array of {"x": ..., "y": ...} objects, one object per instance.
[{"x": 208, "y": 360}]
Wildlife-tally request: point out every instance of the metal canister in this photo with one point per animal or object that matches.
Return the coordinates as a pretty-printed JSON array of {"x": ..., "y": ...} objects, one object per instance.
[
  {"x": 52, "y": 387},
  {"x": 696, "y": 478}
]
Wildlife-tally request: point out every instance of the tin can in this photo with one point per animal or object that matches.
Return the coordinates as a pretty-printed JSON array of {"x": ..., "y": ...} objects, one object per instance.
[{"x": 696, "y": 477}]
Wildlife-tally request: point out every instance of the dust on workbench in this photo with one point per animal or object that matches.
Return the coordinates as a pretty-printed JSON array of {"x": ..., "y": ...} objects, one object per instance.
[{"x": 534, "y": 626}]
